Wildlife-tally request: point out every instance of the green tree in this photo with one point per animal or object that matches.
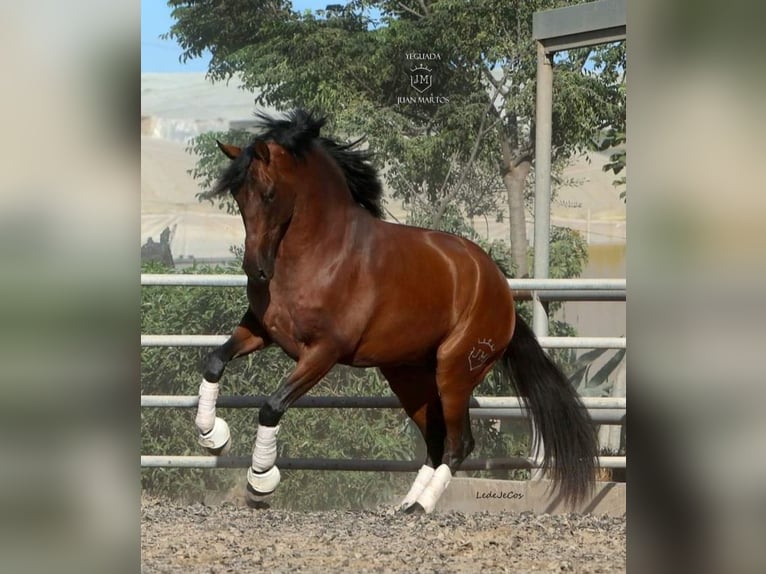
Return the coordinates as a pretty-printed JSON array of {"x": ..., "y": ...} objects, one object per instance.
[
  {"x": 610, "y": 61},
  {"x": 355, "y": 68}
]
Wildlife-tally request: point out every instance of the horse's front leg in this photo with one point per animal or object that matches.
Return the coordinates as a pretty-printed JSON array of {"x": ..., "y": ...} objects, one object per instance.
[
  {"x": 263, "y": 476},
  {"x": 213, "y": 431}
]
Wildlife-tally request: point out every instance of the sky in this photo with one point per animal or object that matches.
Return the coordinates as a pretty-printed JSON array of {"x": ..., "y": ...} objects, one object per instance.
[{"x": 161, "y": 56}]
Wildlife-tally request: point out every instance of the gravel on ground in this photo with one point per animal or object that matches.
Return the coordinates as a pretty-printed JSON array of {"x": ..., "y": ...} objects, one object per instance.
[{"x": 236, "y": 538}]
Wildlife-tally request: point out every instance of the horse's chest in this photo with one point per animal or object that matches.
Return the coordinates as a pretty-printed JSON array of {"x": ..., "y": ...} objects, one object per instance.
[{"x": 292, "y": 323}]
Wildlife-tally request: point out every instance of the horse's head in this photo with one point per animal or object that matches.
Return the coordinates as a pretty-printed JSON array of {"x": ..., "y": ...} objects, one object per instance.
[
  {"x": 265, "y": 200},
  {"x": 288, "y": 163}
]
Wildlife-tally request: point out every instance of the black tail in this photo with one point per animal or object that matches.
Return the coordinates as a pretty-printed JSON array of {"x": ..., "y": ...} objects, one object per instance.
[{"x": 569, "y": 439}]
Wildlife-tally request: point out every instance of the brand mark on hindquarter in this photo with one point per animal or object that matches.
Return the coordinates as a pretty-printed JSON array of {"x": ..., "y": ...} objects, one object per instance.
[{"x": 480, "y": 353}]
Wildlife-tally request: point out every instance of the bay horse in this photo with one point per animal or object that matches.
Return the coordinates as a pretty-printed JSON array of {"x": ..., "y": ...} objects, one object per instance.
[{"x": 331, "y": 283}]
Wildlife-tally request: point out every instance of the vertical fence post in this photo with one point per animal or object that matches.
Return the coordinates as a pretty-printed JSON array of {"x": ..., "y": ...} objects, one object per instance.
[
  {"x": 543, "y": 135},
  {"x": 543, "y": 152}
]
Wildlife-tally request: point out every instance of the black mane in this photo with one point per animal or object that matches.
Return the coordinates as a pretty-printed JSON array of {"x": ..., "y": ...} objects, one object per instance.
[{"x": 295, "y": 132}]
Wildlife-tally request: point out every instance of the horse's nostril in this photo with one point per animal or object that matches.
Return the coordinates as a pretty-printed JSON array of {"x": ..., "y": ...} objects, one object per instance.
[{"x": 255, "y": 272}]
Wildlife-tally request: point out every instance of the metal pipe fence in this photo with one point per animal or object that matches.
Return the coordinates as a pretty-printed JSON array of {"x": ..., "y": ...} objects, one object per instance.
[
  {"x": 226, "y": 280},
  {"x": 545, "y": 342},
  {"x": 510, "y": 463},
  {"x": 603, "y": 410},
  {"x": 255, "y": 401}
]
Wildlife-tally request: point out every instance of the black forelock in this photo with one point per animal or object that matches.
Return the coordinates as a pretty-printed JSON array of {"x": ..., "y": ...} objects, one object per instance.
[{"x": 296, "y": 132}]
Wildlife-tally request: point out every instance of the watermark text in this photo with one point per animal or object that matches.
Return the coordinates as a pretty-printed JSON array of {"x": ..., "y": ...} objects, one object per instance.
[{"x": 506, "y": 495}]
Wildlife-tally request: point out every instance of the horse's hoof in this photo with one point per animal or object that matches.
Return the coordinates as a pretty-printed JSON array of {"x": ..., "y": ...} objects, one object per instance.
[
  {"x": 261, "y": 485},
  {"x": 222, "y": 451},
  {"x": 257, "y": 504},
  {"x": 255, "y": 499},
  {"x": 415, "y": 508},
  {"x": 218, "y": 441},
  {"x": 404, "y": 507}
]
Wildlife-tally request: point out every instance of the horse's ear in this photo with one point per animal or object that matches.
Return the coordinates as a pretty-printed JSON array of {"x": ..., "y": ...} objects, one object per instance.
[
  {"x": 230, "y": 151},
  {"x": 261, "y": 150}
]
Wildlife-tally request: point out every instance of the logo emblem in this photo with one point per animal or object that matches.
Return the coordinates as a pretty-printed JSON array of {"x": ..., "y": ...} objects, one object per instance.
[
  {"x": 480, "y": 353},
  {"x": 420, "y": 78}
]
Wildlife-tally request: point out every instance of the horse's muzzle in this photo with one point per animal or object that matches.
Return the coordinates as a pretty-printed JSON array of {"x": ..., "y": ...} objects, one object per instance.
[
  {"x": 256, "y": 274},
  {"x": 259, "y": 259}
]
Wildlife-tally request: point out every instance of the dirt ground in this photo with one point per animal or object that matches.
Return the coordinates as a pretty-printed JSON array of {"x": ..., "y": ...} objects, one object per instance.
[{"x": 236, "y": 538}]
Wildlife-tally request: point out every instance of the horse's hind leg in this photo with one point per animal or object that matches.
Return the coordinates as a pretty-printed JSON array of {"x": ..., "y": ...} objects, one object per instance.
[
  {"x": 468, "y": 442},
  {"x": 456, "y": 377},
  {"x": 416, "y": 389},
  {"x": 213, "y": 431}
]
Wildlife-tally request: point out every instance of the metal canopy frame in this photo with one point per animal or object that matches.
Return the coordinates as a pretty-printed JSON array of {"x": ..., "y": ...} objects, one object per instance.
[
  {"x": 556, "y": 30},
  {"x": 580, "y": 25},
  {"x": 566, "y": 28}
]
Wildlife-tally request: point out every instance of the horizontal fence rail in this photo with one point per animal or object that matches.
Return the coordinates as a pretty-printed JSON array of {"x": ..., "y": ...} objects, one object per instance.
[
  {"x": 571, "y": 295},
  {"x": 546, "y": 342},
  {"x": 603, "y": 410},
  {"x": 155, "y": 461},
  {"x": 252, "y": 401},
  {"x": 223, "y": 280}
]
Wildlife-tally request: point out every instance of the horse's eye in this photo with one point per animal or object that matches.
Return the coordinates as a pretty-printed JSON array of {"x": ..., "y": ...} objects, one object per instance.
[{"x": 268, "y": 194}]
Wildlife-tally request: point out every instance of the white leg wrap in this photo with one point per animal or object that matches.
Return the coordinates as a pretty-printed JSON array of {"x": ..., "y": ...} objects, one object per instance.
[
  {"x": 263, "y": 483},
  {"x": 265, "y": 449},
  {"x": 208, "y": 395},
  {"x": 421, "y": 481},
  {"x": 437, "y": 485}
]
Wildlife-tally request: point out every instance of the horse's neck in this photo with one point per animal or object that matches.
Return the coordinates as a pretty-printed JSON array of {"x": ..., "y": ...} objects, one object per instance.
[
  {"x": 325, "y": 213},
  {"x": 325, "y": 206},
  {"x": 322, "y": 225}
]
